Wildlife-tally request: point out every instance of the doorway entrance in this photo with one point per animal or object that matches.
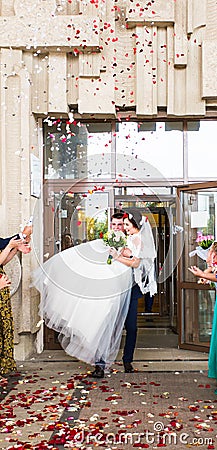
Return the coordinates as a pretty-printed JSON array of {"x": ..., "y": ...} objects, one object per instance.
[
  {"x": 198, "y": 216},
  {"x": 161, "y": 215},
  {"x": 73, "y": 216}
]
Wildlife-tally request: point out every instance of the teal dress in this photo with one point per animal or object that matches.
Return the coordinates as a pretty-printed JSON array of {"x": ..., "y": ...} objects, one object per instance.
[{"x": 212, "y": 363}]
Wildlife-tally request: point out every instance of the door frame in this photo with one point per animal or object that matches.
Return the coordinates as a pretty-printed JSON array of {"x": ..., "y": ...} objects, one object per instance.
[
  {"x": 162, "y": 291},
  {"x": 52, "y": 186},
  {"x": 181, "y": 285},
  {"x": 63, "y": 186}
]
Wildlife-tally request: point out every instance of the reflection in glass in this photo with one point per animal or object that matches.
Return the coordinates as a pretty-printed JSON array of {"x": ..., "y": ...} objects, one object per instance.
[
  {"x": 72, "y": 150},
  {"x": 154, "y": 190},
  {"x": 202, "y": 155},
  {"x": 198, "y": 307},
  {"x": 199, "y": 221},
  {"x": 158, "y": 144},
  {"x": 144, "y": 150},
  {"x": 79, "y": 218}
]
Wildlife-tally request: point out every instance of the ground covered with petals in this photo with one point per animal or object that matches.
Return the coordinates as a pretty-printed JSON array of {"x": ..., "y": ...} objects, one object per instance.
[{"x": 56, "y": 410}]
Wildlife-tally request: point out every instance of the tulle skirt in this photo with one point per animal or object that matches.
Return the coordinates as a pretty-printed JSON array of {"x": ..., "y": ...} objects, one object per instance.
[{"x": 85, "y": 300}]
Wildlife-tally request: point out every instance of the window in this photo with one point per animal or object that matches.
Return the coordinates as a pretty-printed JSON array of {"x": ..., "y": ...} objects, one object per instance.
[
  {"x": 150, "y": 149},
  {"x": 202, "y": 154},
  {"x": 143, "y": 151},
  {"x": 77, "y": 150}
]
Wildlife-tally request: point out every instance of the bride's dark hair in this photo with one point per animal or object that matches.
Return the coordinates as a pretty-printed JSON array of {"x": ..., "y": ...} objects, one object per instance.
[{"x": 135, "y": 217}]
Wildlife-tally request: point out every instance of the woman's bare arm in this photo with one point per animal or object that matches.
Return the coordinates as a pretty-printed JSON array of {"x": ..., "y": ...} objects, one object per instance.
[
  {"x": 129, "y": 262},
  {"x": 8, "y": 253},
  {"x": 207, "y": 275},
  {"x": 4, "y": 282}
]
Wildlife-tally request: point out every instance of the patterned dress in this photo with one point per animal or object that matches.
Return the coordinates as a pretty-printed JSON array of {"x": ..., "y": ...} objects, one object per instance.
[{"x": 7, "y": 362}]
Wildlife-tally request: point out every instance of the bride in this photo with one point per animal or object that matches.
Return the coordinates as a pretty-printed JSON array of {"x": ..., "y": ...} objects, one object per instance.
[{"x": 86, "y": 300}]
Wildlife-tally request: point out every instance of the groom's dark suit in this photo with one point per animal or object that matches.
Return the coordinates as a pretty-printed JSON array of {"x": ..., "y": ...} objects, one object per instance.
[{"x": 5, "y": 242}]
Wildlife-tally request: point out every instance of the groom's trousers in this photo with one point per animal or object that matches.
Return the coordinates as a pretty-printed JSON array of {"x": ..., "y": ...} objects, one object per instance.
[{"x": 131, "y": 325}]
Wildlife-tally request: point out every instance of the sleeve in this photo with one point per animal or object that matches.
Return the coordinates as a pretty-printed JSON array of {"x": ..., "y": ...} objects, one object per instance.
[
  {"x": 143, "y": 247},
  {"x": 201, "y": 252},
  {"x": 134, "y": 243},
  {"x": 5, "y": 242},
  {"x": 142, "y": 244}
]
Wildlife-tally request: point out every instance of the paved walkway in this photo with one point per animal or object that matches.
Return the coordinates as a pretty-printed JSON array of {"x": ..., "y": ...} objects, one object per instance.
[{"x": 53, "y": 403}]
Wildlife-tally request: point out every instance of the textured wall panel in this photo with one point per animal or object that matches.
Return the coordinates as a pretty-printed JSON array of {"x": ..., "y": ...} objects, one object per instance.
[
  {"x": 72, "y": 8},
  {"x": 180, "y": 34},
  {"x": 133, "y": 66},
  {"x": 180, "y": 46},
  {"x": 124, "y": 69},
  {"x": 159, "y": 12},
  {"x": 96, "y": 95},
  {"x": 40, "y": 66},
  {"x": 13, "y": 147},
  {"x": 179, "y": 93},
  {"x": 55, "y": 31},
  {"x": 16, "y": 119},
  {"x": 7, "y": 8},
  {"x": 170, "y": 71},
  {"x": 162, "y": 67},
  {"x": 211, "y": 29},
  {"x": 72, "y": 79},
  {"x": 87, "y": 8},
  {"x": 190, "y": 26},
  {"x": 13, "y": 161},
  {"x": 146, "y": 71},
  {"x": 196, "y": 16},
  {"x": 89, "y": 64},
  {"x": 57, "y": 96},
  {"x": 194, "y": 103},
  {"x": 32, "y": 8},
  {"x": 209, "y": 69}
]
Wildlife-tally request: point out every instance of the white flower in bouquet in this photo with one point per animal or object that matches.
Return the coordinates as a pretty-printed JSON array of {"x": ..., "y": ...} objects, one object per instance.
[{"x": 115, "y": 239}]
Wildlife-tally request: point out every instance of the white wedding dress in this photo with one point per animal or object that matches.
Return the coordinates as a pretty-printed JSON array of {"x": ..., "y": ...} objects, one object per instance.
[{"x": 85, "y": 300}]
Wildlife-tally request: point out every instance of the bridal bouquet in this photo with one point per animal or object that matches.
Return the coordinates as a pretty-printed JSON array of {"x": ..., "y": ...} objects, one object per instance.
[{"x": 115, "y": 239}]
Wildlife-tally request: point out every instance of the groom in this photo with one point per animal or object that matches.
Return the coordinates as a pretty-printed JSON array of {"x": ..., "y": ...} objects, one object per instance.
[{"x": 117, "y": 224}]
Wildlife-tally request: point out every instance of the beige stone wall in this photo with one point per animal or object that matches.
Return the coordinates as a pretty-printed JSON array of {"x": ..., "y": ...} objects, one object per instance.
[
  {"x": 140, "y": 55},
  {"x": 99, "y": 56}
]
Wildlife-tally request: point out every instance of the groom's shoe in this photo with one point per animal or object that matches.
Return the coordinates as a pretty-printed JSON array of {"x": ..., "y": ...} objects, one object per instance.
[
  {"x": 128, "y": 368},
  {"x": 98, "y": 372}
]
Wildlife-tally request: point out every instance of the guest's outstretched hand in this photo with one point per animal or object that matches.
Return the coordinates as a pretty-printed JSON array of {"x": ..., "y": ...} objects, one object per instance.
[
  {"x": 14, "y": 243},
  {"x": 196, "y": 271},
  {"x": 24, "y": 248},
  {"x": 27, "y": 231},
  {"x": 4, "y": 281},
  {"x": 20, "y": 245}
]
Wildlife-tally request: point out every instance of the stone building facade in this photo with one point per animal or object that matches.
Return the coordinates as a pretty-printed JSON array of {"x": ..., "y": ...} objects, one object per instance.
[{"x": 102, "y": 59}]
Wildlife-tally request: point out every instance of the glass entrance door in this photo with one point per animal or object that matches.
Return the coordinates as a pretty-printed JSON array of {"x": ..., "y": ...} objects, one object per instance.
[
  {"x": 79, "y": 218},
  {"x": 161, "y": 215},
  {"x": 72, "y": 216},
  {"x": 198, "y": 216}
]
